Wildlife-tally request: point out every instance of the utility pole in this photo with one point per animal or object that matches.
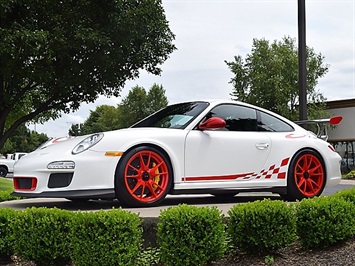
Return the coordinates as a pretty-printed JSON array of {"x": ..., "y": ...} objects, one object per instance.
[{"x": 302, "y": 71}]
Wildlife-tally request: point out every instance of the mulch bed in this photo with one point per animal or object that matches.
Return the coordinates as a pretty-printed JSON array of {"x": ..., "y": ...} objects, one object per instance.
[{"x": 342, "y": 254}]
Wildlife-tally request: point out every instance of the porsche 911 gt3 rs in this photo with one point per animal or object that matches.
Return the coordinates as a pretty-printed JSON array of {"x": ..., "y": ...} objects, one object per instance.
[{"x": 216, "y": 147}]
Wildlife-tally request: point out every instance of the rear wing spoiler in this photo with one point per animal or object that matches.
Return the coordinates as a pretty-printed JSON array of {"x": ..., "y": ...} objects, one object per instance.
[{"x": 322, "y": 125}]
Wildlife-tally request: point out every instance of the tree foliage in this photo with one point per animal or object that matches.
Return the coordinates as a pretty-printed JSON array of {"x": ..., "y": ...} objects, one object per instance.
[
  {"x": 103, "y": 118},
  {"x": 23, "y": 140},
  {"x": 139, "y": 104},
  {"x": 54, "y": 55},
  {"x": 268, "y": 77},
  {"x": 134, "y": 107}
]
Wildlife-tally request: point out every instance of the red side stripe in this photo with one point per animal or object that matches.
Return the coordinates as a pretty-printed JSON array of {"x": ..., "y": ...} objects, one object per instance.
[
  {"x": 281, "y": 175},
  {"x": 285, "y": 162},
  {"x": 215, "y": 178}
]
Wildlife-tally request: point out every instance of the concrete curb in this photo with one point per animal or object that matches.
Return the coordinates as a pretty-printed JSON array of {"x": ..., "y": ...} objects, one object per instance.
[{"x": 347, "y": 182}]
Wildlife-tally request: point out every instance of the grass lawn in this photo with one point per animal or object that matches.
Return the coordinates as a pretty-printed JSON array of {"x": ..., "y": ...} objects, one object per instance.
[{"x": 5, "y": 184}]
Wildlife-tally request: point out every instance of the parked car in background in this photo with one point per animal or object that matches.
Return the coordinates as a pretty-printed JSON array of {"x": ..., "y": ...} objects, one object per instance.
[
  {"x": 216, "y": 147},
  {"x": 7, "y": 165},
  {"x": 347, "y": 164}
]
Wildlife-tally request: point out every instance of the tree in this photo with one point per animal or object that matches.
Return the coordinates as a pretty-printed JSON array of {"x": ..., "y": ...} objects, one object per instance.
[
  {"x": 23, "y": 140},
  {"x": 156, "y": 99},
  {"x": 54, "y": 55},
  {"x": 134, "y": 107},
  {"x": 103, "y": 118},
  {"x": 139, "y": 104},
  {"x": 268, "y": 77}
]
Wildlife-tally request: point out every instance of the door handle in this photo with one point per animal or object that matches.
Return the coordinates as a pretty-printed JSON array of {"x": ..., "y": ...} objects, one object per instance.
[{"x": 262, "y": 146}]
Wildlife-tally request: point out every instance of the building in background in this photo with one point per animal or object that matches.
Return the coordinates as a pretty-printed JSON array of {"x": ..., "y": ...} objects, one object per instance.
[{"x": 343, "y": 136}]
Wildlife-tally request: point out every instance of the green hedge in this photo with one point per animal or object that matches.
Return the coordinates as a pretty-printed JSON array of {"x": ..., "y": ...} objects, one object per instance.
[
  {"x": 106, "y": 238},
  {"x": 42, "y": 235},
  {"x": 324, "y": 221},
  {"x": 6, "y": 234},
  {"x": 6, "y": 195},
  {"x": 262, "y": 226},
  {"x": 189, "y": 235},
  {"x": 347, "y": 194},
  {"x": 350, "y": 175}
]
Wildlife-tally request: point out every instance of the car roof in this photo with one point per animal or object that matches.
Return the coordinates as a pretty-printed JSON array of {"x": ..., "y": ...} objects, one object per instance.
[{"x": 215, "y": 102}]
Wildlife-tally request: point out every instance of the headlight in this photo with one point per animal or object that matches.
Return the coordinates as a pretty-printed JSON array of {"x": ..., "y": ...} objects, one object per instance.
[{"x": 87, "y": 143}]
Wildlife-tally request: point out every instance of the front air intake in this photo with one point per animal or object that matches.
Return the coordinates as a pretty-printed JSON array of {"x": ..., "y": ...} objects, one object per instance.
[
  {"x": 58, "y": 180},
  {"x": 25, "y": 183}
]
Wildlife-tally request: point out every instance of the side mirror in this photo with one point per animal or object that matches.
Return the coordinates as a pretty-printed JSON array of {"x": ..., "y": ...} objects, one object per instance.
[{"x": 212, "y": 123}]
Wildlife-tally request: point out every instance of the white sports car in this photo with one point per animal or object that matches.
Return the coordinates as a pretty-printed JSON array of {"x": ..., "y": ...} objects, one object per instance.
[{"x": 216, "y": 147}]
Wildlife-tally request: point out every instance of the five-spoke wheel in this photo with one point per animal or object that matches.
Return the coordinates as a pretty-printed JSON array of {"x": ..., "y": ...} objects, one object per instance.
[{"x": 143, "y": 177}]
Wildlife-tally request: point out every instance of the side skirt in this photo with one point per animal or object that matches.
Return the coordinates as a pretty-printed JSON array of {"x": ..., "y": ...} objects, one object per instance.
[{"x": 278, "y": 190}]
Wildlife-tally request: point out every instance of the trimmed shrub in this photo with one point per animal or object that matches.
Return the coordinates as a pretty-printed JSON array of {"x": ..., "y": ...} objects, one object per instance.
[
  {"x": 190, "y": 235},
  {"x": 149, "y": 256},
  {"x": 6, "y": 217},
  {"x": 324, "y": 221},
  {"x": 347, "y": 194},
  {"x": 41, "y": 235},
  {"x": 6, "y": 196},
  {"x": 350, "y": 175},
  {"x": 106, "y": 238},
  {"x": 262, "y": 226}
]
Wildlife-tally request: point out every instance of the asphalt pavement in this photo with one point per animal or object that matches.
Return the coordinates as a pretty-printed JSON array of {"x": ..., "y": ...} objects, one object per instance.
[{"x": 197, "y": 200}]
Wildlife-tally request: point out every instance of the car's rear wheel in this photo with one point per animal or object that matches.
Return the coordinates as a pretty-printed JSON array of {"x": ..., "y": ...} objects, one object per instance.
[
  {"x": 143, "y": 177},
  {"x": 306, "y": 176}
]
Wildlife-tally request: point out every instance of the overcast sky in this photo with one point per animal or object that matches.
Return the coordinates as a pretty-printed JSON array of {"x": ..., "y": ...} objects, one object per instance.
[{"x": 210, "y": 32}]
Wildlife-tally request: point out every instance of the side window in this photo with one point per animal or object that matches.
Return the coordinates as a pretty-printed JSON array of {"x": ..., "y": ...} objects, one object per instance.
[
  {"x": 272, "y": 124},
  {"x": 238, "y": 118}
]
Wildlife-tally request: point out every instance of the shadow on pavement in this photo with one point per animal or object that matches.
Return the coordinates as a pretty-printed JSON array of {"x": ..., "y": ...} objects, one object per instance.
[{"x": 107, "y": 204}]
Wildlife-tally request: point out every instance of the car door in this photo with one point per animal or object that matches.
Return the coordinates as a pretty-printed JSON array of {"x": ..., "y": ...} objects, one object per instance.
[{"x": 234, "y": 153}]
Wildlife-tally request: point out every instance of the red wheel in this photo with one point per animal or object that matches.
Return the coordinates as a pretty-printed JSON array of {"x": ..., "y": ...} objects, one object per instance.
[
  {"x": 309, "y": 175},
  {"x": 143, "y": 177},
  {"x": 306, "y": 176}
]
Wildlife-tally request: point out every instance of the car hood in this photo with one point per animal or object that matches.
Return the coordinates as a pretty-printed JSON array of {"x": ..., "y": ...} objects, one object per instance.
[{"x": 112, "y": 139}]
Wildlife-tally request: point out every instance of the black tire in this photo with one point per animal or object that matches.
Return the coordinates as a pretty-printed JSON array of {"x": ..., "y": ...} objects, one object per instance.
[
  {"x": 144, "y": 184},
  {"x": 306, "y": 176},
  {"x": 3, "y": 171}
]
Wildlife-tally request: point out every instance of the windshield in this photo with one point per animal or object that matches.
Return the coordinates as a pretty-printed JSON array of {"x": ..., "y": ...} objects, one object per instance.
[{"x": 173, "y": 116}]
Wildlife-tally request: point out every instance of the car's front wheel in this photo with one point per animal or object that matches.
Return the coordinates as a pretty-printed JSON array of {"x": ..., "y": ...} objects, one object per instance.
[
  {"x": 306, "y": 176},
  {"x": 143, "y": 177}
]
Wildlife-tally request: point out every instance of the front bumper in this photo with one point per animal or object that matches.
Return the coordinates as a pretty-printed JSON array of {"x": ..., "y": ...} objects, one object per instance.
[
  {"x": 84, "y": 194},
  {"x": 93, "y": 175}
]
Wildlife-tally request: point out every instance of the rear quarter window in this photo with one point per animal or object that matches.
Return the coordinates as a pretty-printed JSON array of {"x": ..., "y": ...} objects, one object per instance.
[{"x": 271, "y": 123}]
